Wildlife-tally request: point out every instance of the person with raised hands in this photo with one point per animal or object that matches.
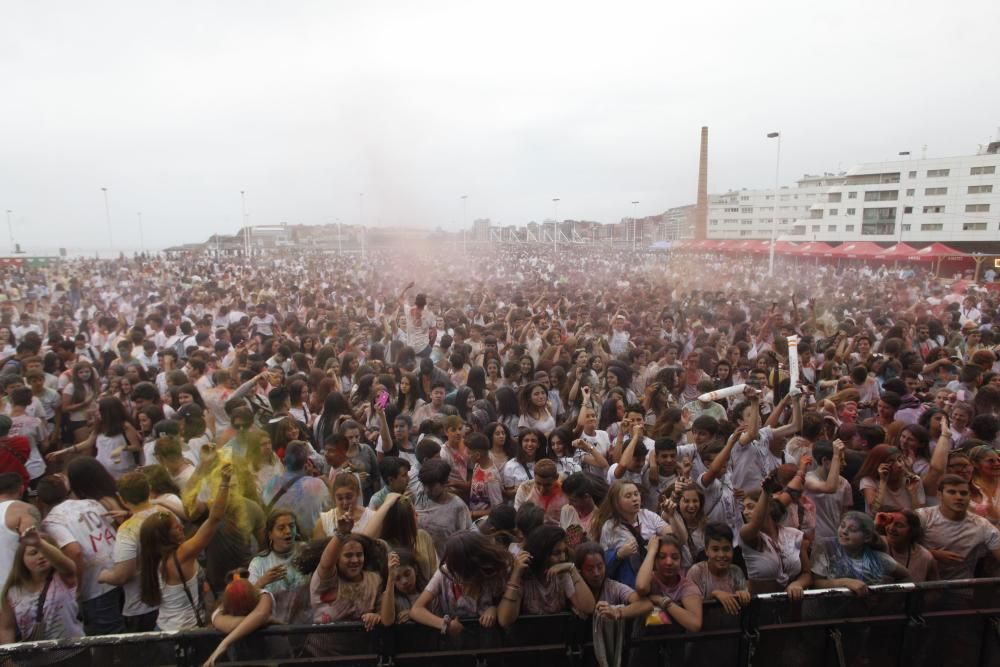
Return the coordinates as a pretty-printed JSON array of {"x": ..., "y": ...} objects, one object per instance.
[{"x": 169, "y": 571}]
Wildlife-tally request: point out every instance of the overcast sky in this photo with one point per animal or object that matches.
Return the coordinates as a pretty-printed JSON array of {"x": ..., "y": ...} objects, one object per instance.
[{"x": 175, "y": 107}]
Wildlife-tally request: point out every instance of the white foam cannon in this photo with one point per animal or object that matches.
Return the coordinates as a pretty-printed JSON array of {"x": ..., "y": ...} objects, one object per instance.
[
  {"x": 793, "y": 365},
  {"x": 725, "y": 392}
]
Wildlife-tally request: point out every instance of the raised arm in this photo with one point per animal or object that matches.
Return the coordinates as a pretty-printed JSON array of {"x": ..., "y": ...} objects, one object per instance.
[
  {"x": 644, "y": 577},
  {"x": 629, "y": 453},
  {"x": 61, "y": 563},
  {"x": 794, "y": 426},
  {"x": 775, "y": 417},
  {"x": 194, "y": 545},
  {"x": 753, "y": 424},
  {"x": 373, "y": 529},
  {"x": 750, "y": 531},
  {"x": 387, "y": 606},
  {"x": 384, "y": 432},
  {"x": 939, "y": 460},
  {"x": 718, "y": 467},
  {"x": 832, "y": 481}
]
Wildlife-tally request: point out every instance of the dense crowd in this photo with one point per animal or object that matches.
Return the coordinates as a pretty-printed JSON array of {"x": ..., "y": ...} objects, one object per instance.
[{"x": 305, "y": 440}]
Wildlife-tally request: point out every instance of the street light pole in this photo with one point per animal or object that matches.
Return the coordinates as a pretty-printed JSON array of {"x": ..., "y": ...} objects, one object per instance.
[
  {"x": 107, "y": 214},
  {"x": 246, "y": 229},
  {"x": 774, "y": 218},
  {"x": 555, "y": 225},
  {"x": 634, "y": 220}
]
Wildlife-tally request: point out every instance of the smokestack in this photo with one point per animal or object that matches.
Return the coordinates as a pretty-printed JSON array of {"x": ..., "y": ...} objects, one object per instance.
[{"x": 701, "y": 210}]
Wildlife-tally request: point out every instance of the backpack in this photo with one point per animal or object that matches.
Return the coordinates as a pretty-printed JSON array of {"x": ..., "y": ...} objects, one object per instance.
[{"x": 181, "y": 347}]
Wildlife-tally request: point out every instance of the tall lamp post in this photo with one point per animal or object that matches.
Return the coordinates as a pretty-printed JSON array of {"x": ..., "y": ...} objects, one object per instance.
[
  {"x": 555, "y": 224},
  {"x": 142, "y": 244},
  {"x": 777, "y": 189}
]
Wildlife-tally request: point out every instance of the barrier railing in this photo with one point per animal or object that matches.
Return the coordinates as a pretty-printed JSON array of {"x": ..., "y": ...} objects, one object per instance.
[{"x": 934, "y": 623}]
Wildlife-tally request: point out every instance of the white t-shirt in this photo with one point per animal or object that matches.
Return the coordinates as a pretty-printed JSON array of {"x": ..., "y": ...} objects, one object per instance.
[
  {"x": 830, "y": 507},
  {"x": 33, "y": 429},
  {"x": 748, "y": 464},
  {"x": 601, "y": 442},
  {"x": 614, "y": 535},
  {"x": 127, "y": 548},
  {"x": 898, "y": 499},
  {"x": 971, "y": 538},
  {"x": 115, "y": 463},
  {"x": 514, "y": 473},
  {"x": 84, "y": 522},
  {"x": 263, "y": 325}
]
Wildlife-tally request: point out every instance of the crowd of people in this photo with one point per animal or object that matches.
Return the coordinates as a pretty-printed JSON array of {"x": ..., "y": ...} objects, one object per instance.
[{"x": 217, "y": 442}]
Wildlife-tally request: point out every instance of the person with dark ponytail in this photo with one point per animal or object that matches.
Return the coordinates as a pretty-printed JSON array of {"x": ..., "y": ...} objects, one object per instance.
[{"x": 169, "y": 574}]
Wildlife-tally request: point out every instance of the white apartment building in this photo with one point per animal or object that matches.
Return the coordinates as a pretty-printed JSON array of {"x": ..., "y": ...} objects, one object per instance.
[
  {"x": 949, "y": 200},
  {"x": 749, "y": 214},
  {"x": 953, "y": 200}
]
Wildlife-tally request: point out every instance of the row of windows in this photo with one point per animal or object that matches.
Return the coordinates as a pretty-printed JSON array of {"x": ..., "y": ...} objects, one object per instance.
[
  {"x": 892, "y": 195},
  {"x": 941, "y": 173},
  {"x": 887, "y": 228}
]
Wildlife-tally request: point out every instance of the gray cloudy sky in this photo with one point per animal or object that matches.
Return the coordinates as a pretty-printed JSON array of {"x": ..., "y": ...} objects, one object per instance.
[{"x": 178, "y": 106}]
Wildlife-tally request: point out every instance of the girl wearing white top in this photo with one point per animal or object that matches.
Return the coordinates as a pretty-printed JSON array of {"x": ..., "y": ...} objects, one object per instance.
[
  {"x": 39, "y": 600},
  {"x": 775, "y": 555},
  {"x": 531, "y": 446},
  {"x": 535, "y": 411},
  {"x": 169, "y": 569},
  {"x": 624, "y": 528},
  {"x": 346, "y": 492},
  {"x": 118, "y": 445},
  {"x": 77, "y": 398}
]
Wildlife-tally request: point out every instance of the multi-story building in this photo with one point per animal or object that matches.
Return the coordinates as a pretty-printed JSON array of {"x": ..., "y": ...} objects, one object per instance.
[
  {"x": 953, "y": 200},
  {"x": 749, "y": 214},
  {"x": 949, "y": 200}
]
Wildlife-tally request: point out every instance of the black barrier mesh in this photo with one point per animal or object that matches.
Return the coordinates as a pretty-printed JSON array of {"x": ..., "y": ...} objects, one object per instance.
[{"x": 937, "y": 624}]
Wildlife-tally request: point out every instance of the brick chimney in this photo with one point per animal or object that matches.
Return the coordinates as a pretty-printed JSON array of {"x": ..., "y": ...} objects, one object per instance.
[{"x": 701, "y": 209}]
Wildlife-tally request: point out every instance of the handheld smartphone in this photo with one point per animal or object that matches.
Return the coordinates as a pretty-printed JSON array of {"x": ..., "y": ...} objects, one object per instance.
[{"x": 382, "y": 400}]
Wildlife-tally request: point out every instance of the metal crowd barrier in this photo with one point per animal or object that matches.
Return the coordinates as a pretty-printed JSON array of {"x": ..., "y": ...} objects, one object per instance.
[{"x": 935, "y": 624}]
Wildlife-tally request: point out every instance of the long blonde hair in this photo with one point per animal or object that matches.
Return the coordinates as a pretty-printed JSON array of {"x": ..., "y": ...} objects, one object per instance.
[{"x": 608, "y": 509}]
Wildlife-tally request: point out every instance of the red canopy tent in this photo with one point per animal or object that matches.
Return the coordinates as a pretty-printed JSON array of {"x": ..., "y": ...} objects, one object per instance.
[
  {"x": 812, "y": 249},
  {"x": 785, "y": 248},
  {"x": 940, "y": 253},
  {"x": 936, "y": 251},
  {"x": 857, "y": 250},
  {"x": 750, "y": 246},
  {"x": 896, "y": 252}
]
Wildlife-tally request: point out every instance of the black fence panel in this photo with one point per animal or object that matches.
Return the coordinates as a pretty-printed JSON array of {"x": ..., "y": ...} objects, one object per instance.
[{"x": 912, "y": 625}]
